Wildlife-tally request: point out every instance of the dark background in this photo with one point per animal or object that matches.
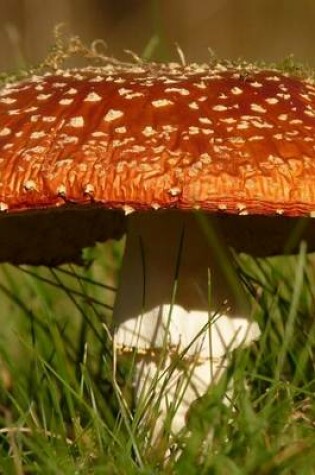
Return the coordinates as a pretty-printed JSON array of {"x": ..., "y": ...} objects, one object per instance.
[{"x": 252, "y": 29}]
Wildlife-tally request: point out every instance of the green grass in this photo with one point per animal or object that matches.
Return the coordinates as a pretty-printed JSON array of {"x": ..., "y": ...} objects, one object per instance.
[{"x": 64, "y": 410}]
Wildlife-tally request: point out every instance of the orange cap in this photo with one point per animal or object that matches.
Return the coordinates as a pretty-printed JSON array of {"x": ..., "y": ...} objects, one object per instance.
[
  {"x": 221, "y": 138},
  {"x": 216, "y": 138}
]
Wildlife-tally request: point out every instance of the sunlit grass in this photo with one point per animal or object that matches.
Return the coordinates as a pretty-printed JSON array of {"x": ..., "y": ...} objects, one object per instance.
[{"x": 63, "y": 409}]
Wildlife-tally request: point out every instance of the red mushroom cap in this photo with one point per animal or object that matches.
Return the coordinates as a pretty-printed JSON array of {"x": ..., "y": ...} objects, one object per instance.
[
  {"x": 222, "y": 139},
  {"x": 225, "y": 139}
]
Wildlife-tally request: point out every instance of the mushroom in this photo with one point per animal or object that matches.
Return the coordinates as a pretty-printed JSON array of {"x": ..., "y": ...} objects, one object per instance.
[{"x": 170, "y": 153}]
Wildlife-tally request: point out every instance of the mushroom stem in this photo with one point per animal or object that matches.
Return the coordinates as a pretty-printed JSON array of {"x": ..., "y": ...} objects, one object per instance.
[{"x": 177, "y": 308}]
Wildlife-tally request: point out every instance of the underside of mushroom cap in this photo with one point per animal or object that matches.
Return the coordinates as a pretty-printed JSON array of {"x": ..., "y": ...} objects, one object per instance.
[
  {"x": 56, "y": 236},
  {"x": 224, "y": 139}
]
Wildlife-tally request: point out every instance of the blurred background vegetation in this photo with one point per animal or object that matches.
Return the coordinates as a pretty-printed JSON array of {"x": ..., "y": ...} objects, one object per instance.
[{"x": 252, "y": 29}]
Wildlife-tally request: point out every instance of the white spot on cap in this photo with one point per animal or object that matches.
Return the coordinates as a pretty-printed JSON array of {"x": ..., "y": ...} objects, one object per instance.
[
  {"x": 162, "y": 103},
  {"x": 5, "y": 131},
  {"x": 71, "y": 91},
  {"x": 89, "y": 189},
  {"x": 273, "y": 78},
  {"x": 272, "y": 100},
  {"x": 179, "y": 90},
  {"x": 228, "y": 120},
  {"x": 283, "y": 117},
  {"x": 7, "y": 100},
  {"x": 37, "y": 150},
  {"x": 256, "y": 84},
  {"x": 237, "y": 140},
  {"x": 275, "y": 160},
  {"x": 98, "y": 133},
  {"x": 219, "y": 108},
  {"x": 123, "y": 91},
  {"x": 37, "y": 135},
  {"x": 207, "y": 131},
  {"x": 159, "y": 149},
  {"x": 14, "y": 112},
  {"x": 306, "y": 97},
  {"x": 61, "y": 190},
  {"x": 284, "y": 96},
  {"x": 76, "y": 121},
  {"x": 29, "y": 185},
  {"x": 128, "y": 209},
  {"x": 65, "y": 102},
  {"x": 49, "y": 118},
  {"x": 121, "y": 130},
  {"x": 193, "y": 105},
  {"x": 192, "y": 130},
  {"x": 200, "y": 85},
  {"x": 148, "y": 131},
  {"x": 236, "y": 91},
  {"x": 255, "y": 138},
  {"x": 92, "y": 97},
  {"x": 175, "y": 191},
  {"x": 31, "y": 109},
  {"x": 70, "y": 139},
  {"x": 113, "y": 114},
  {"x": 309, "y": 112},
  {"x": 205, "y": 158},
  {"x": 97, "y": 79},
  {"x": 257, "y": 108},
  {"x": 137, "y": 148},
  {"x": 120, "y": 80},
  {"x": 240, "y": 206},
  {"x": 3, "y": 206},
  {"x": 260, "y": 124},
  {"x": 243, "y": 125},
  {"x": 169, "y": 128},
  {"x": 205, "y": 120},
  {"x": 43, "y": 97},
  {"x": 132, "y": 95}
]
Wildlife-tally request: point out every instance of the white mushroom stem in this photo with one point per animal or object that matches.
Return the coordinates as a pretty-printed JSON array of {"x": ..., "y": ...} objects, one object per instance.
[{"x": 172, "y": 315}]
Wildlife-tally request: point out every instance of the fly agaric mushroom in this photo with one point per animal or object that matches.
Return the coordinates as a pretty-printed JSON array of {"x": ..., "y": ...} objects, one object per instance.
[{"x": 163, "y": 140}]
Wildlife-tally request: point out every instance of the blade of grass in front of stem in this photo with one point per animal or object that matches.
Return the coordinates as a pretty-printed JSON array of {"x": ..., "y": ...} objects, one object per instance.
[
  {"x": 289, "y": 328},
  {"x": 222, "y": 257}
]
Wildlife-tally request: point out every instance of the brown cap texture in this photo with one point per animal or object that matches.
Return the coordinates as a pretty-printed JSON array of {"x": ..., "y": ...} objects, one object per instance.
[{"x": 222, "y": 138}]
